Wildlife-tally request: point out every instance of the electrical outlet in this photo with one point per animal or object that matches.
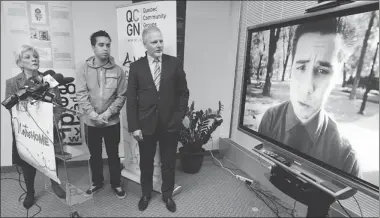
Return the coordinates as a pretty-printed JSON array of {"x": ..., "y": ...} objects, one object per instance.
[{"x": 242, "y": 178}]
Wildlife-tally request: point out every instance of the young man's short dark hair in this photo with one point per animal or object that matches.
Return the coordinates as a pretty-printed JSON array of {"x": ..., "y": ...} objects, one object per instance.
[
  {"x": 324, "y": 27},
  {"x": 97, "y": 34}
]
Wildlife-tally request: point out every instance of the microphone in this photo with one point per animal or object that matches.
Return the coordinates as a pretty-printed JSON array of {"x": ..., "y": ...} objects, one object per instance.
[
  {"x": 67, "y": 80},
  {"x": 56, "y": 79},
  {"x": 12, "y": 100},
  {"x": 20, "y": 95},
  {"x": 61, "y": 80},
  {"x": 37, "y": 88},
  {"x": 39, "y": 79},
  {"x": 42, "y": 90},
  {"x": 48, "y": 82}
]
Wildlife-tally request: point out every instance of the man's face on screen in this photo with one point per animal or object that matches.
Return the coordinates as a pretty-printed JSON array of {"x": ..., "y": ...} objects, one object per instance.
[{"x": 314, "y": 68}]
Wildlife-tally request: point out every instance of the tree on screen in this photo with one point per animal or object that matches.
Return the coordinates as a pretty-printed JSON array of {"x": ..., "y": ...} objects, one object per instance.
[
  {"x": 273, "y": 39},
  {"x": 287, "y": 45},
  {"x": 348, "y": 31},
  {"x": 362, "y": 55},
  {"x": 258, "y": 55},
  {"x": 370, "y": 82}
]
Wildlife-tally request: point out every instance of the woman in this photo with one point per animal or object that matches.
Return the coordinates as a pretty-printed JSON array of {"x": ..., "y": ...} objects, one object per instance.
[{"x": 27, "y": 59}]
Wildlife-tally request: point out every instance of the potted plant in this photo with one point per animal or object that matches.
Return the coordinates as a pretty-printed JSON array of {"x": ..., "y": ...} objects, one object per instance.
[{"x": 201, "y": 125}]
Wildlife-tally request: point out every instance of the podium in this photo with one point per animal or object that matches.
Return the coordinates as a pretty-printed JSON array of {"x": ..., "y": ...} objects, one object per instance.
[{"x": 34, "y": 125}]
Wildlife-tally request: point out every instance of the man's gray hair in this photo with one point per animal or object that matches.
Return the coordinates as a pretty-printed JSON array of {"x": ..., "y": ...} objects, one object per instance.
[
  {"x": 148, "y": 30},
  {"x": 22, "y": 50}
]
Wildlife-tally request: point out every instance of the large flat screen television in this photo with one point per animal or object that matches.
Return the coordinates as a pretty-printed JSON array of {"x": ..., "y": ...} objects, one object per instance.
[{"x": 311, "y": 87}]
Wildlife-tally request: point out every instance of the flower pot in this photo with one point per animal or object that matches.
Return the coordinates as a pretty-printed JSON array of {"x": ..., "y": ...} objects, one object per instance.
[{"x": 191, "y": 162}]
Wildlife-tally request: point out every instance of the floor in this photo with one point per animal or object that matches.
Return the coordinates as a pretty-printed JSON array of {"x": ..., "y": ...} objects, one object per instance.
[{"x": 212, "y": 192}]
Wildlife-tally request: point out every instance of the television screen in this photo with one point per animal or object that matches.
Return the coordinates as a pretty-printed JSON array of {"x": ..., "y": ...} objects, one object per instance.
[{"x": 311, "y": 86}]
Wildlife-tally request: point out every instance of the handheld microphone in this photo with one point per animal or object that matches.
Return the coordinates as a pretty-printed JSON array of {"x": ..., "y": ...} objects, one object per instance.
[
  {"x": 67, "y": 80},
  {"x": 49, "y": 82},
  {"x": 62, "y": 80},
  {"x": 21, "y": 94},
  {"x": 12, "y": 100},
  {"x": 57, "y": 80},
  {"x": 40, "y": 78}
]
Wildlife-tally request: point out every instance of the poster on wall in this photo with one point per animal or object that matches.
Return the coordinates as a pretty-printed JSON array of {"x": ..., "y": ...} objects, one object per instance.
[
  {"x": 48, "y": 27},
  {"x": 38, "y": 13},
  {"x": 131, "y": 20},
  {"x": 33, "y": 127}
]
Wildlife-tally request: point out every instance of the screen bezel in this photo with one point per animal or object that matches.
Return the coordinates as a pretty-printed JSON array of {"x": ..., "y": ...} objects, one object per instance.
[{"x": 344, "y": 10}]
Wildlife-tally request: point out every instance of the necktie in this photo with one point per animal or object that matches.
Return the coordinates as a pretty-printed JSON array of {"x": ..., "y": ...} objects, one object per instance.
[{"x": 157, "y": 73}]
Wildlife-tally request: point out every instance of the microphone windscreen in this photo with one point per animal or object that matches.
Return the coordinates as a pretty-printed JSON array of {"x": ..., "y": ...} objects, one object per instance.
[
  {"x": 67, "y": 80},
  {"x": 59, "y": 78},
  {"x": 50, "y": 72}
]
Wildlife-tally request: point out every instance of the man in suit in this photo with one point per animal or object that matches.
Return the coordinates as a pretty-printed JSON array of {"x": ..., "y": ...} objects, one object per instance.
[{"x": 157, "y": 96}]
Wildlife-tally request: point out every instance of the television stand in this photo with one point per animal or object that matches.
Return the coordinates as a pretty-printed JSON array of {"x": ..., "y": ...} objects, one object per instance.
[{"x": 317, "y": 201}]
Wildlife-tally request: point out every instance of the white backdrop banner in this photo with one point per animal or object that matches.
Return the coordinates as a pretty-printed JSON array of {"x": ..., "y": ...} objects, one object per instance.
[
  {"x": 33, "y": 126},
  {"x": 131, "y": 20}
]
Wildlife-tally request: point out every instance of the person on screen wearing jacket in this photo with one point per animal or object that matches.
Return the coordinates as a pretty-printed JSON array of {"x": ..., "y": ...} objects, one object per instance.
[
  {"x": 101, "y": 88},
  {"x": 302, "y": 123},
  {"x": 28, "y": 60}
]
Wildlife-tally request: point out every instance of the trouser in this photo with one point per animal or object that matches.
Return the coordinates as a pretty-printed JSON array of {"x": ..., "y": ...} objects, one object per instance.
[
  {"x": 29, "y": 173},
  {"x": 94, "y": 141},
  {"x": 168, "y": 142}
]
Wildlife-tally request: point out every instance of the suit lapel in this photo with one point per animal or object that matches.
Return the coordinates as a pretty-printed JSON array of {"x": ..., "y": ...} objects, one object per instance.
[
  {"x": 146, "y": 71},
  {"x": 164, "y": 69},
  {"x": 20, "y": 80}
]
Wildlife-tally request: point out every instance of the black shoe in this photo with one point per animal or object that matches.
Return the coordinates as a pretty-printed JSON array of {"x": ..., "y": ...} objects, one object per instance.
[
  {"x": 170, "y": 205},
  {"x": 29, "y": 200},
  {"x": 120, "y": 193},
  {"x": 58, "y": 190},
  {"x": 94, "y": 189},
  {"x": 143, "y": 203}
]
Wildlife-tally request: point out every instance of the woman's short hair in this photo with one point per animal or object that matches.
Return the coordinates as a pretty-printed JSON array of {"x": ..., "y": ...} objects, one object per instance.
[{"x": 22, "y": 50}]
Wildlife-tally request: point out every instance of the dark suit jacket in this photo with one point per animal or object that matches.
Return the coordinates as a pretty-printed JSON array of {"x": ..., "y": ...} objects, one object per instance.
[{"x": 146, "y": 106}]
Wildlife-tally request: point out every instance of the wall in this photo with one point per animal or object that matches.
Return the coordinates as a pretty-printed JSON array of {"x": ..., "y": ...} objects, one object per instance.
[
  {"x": 90, "y": 17},
  {"x": 6, "y": 133},
  {"x": 209, "y": 59},
  {"x": 210, "y": 56}
]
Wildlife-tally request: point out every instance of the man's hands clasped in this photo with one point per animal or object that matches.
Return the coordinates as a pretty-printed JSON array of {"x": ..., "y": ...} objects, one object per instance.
[
  {"x": 101, "y": 118},
  {"x": 138, "y": 135}
]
